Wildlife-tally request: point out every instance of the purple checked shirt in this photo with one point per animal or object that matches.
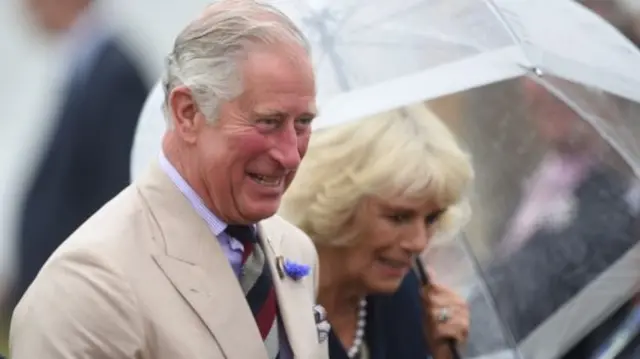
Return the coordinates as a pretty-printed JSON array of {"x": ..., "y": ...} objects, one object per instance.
[{"x": 231, "y": 247}]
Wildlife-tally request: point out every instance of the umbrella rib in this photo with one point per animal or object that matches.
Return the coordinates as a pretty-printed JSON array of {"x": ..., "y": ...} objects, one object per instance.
[
  {"x": 500, "y": 17},
  {"x": 434, "y": 36},
  {"x": 379, "y": 44},
  {"x": 321, "y": 59},
  {"x": 450, "y": 40},
  {"x": 391, "y": 16},
  {"x": 483, "y": 289},
  {"x": 349, "y": 14},
  {"x": 592, "y": 119}
]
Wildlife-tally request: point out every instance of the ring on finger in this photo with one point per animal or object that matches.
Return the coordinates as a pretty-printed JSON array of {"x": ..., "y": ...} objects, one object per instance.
[{"x": 443, "y": 315}]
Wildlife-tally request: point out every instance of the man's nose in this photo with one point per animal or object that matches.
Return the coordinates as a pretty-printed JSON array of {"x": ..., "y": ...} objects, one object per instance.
[{"x": 286, "y": 150}]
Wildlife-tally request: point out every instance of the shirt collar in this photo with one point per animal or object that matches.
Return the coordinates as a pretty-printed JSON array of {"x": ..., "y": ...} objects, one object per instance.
[{"x": 216, "y": 224}]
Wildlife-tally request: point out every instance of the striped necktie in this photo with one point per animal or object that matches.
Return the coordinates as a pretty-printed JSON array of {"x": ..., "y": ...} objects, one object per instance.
[{"x": 257, "y": 285}]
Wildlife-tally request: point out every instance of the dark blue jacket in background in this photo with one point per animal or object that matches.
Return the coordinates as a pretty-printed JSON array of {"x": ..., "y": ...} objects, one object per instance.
[{"x": 87, "y": 158}]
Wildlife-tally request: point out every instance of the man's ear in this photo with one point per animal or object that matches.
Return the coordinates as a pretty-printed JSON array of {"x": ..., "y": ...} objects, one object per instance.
[{"x": 185, "y": 114}]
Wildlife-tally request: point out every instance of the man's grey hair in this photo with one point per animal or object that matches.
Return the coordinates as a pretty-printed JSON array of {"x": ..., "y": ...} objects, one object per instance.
[{"x": 207, "y": 53}]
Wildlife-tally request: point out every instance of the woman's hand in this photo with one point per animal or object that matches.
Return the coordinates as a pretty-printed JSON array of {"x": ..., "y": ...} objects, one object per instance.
[{"x": 446, "y": 318}]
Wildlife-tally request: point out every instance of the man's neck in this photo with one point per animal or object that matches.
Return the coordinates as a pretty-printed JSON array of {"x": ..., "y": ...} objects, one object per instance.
[{"x": 180, "y": 160}]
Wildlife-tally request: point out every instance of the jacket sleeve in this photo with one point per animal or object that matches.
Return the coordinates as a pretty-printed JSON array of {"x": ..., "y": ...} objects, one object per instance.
[{"x": 77, "y": 308}]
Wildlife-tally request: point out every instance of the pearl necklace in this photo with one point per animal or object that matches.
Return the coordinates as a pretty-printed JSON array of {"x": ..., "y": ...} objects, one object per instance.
[{"x": 359, "y": 335}]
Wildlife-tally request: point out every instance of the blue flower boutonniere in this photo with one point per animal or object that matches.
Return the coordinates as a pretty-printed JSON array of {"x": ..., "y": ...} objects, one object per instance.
[{"x": 291, "y": 269}]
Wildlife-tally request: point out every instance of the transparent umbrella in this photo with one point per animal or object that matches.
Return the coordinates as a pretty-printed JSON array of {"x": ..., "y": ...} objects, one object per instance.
[
  {"x": 546, "y": 97},
  {"x": 362, "y": 43},
  {"x": 550, "y": 261},
  {"x": 359, "y": 43}
]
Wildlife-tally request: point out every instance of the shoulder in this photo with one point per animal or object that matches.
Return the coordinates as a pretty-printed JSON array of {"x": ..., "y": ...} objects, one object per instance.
[
  {"x": 111, "y": 235},
  {"x": 294, "y": 244},
  {"x": 117, "y": 233},
  {"x": 290, "y": 235},
  {"x": 116, "y": 66},
  {"x": 83, "y": 301},
  {"x": 80, "y": 304},
  {"x": 119, "y": 55},
  {"x": 605, "y": 185}
]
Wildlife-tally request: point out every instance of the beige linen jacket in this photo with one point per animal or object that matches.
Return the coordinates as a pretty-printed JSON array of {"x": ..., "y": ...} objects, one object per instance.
[{"x": 145, "y": 278}]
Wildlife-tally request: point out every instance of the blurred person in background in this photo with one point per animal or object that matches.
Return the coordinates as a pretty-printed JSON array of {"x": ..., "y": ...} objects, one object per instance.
[
  {"x": 190, "y": 261},
  {"x": 577, "y": 216},
  {"x": 623, "y": 14},
  {"x": 371, "y": 195},
  {"x": 87, "y": 158}
]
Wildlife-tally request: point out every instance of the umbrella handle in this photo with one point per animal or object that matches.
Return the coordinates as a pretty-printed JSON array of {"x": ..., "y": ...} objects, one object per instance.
[{"x": 424, "y": 279}]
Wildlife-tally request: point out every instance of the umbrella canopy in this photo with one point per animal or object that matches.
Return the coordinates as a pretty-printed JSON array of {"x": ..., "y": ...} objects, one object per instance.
[
  {"x": 546, "y": 97},
  {"x": 444, "y": 47},
  {"x": 550, "y": 259}
]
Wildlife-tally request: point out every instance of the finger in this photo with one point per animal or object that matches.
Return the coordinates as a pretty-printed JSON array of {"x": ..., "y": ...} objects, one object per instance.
[
  {"x": 456, "y": 329},
  {"x": 459, "y": 322},
  {"x": 431, "y": 291},
  {"x": 445, "y": 300},
  {"x": 453, "y": 314},
  {"x": 451, "y": 335},
  {"x": 442, "y": 292},
  {"x": 431, "y": 273}
]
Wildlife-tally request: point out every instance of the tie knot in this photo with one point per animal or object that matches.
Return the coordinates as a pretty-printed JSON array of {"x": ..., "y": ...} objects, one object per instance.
[{"x": 244, "y": 234}]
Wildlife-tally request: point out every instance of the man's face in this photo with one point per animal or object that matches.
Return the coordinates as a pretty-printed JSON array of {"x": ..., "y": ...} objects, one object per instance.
[
  {"x": 249, "y": 156},
  {"x": 554, "y": 120},
  {"x": 52, "y": 16}
]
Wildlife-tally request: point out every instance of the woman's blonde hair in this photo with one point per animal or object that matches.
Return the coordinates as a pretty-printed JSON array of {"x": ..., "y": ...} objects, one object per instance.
[{"x": 404, "y": 153}]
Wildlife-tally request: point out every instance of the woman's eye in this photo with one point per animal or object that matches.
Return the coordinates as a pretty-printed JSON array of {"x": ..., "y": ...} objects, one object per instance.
[
  {"x": 400, "y": 218},
  {"x": 433, "y": 217}
]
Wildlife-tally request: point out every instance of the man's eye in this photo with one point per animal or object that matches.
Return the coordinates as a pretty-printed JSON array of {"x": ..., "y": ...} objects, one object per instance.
[
  {"x": 270, "y": 122},
  {"x": 305, "y": 121}
]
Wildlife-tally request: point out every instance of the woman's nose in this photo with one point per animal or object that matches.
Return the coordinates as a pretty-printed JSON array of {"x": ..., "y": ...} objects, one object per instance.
[{"x": 417, "y": 241}]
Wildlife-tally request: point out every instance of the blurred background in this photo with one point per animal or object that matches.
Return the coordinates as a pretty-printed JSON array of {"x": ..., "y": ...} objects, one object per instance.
[{"x": 34, "y": 69}]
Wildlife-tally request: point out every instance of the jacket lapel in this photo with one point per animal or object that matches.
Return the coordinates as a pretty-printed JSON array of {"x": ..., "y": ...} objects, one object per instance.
[
  {"x": 294, "y": 298},
  {"x": 193, "y": 261}
]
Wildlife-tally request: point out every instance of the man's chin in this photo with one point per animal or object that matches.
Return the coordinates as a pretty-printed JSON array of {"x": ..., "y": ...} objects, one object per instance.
[{"x": 259, "y": 211}]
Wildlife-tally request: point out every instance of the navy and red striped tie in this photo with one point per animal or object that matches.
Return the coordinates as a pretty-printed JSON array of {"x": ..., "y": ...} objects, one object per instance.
[{"x": 257, "y": 284}]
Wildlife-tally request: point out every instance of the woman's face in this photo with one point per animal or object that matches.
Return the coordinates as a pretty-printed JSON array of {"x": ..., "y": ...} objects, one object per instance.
[{"x": 393, "y": 233}]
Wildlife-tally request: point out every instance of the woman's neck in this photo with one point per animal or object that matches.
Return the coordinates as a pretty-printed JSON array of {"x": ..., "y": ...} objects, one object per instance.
[{"x": 338, "y": 294}]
